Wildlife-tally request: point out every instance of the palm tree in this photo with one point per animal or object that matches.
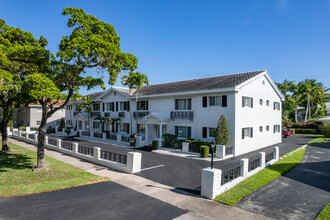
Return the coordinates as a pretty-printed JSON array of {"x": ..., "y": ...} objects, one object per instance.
[
  {"x": 103, "y": 120},
  {"x": 287, "y": 87},
  {"x": 311, "y": 90},
  {"x": 115, "y": 120},
  {"x": 135, "y": 80},
  {"x": 87, "y": 105}
]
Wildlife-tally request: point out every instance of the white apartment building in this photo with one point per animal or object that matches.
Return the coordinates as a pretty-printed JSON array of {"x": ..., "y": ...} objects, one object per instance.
[{"x": 250, "y": 101}]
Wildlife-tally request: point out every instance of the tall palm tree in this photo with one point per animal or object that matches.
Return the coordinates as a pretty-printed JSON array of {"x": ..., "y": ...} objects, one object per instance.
[
  {"x": 295, "y": 92},
  {"x": 286, "y": 88},
  {"x": 103, "y": 120},
  {"x": 115, "y": 120},
  {"x": 87, "y": 105},
  {"x": 135, "y": 80},
  {"x": 310, "y": 89}
]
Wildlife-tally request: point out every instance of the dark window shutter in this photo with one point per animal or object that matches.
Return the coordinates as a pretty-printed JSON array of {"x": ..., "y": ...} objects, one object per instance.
[
  {"x": 137, "y": 105},
  {"x": 116, "y": 127},
  {"x": 116, "y": 106},
  {"x": 189, "y": 132},
  {"x": 204, "y": 132},
  {"x": 147, "y": 105},
  {"x": 113, "y": 106},
  {"x": 128, "y": 106},
  {"x": 251, "y": 132},
  {"x": 251, "y": 102},
  {"x": 113, "y": 127},
  {"x": 176, "y": 130},
  {"x": 274, "y": 129},
  {"x": 176, "y": 104},
  {"x": 242, "y": 133},
  {"x": 127, "y": 128},
  {"x": 103, "y": 106},
  {"x": 189, "y": 104},
  {"x": 274, "y": 106},
  {"x": 224, "y": 101},
  {"x": 243, "y": 103},
  {"x": 204, "y": 101}
]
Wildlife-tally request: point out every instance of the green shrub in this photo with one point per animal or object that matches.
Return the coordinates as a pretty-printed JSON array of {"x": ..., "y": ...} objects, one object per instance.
[
  {"x": 154, "y": 145},
  {"x": 305, "y": 131},
  {"x": 22, "y": 128},
  {"x": 170, "y": 140},
  {"x": 50, "y": 130},
  {"x": 78, "y": 134},
  {"x": 33, "y": 129},
  {"x": 204, "y": 151},
  {"x": 325, "y": 129}
]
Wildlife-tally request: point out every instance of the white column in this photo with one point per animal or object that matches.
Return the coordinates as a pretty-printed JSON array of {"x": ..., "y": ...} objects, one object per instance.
[
  {"x": 276, "y": 153},
  {"x": 97, "y": 153},
  {"x": 185, "y": 147},
  {"x": 211, "y": 182},
  {"x": 74, "y": 147},
  {"x": 46, "y": 140},
  {"x": 146, "y": 134},
  {"x": 245, "y": 167},
  {"x": 262, "y": 156},
  {"x": 19, "y": 133},
  {"x": 104, "y": 136},
  {"x": 220, "y": 151},
  {"x": 134, "y": 162},
  {"x": 160, "y": 135},
  {"x": 58, "y": 143}
]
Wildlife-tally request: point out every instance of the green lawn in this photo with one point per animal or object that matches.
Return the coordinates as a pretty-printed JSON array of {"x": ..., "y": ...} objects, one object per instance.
[
  {"x": 17, "y": 177},
  {"x": 314, "y": 135},
  {"x": 319, "y": 140},
  {"x": 325, "y": 213},
  {"x": 260, "y": 179}
]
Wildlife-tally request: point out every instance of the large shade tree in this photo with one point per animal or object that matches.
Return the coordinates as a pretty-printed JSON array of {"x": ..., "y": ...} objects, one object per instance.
[
  {"x": 20, "y": 55},
  {"x": 92, "y": 44}
]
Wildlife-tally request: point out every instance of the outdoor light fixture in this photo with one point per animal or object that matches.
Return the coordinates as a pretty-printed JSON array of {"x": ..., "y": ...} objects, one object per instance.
[{"x": 212, "y": 150}]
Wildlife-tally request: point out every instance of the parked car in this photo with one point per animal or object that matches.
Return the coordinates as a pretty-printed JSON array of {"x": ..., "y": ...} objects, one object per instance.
[{"x": 285, "y": 132}]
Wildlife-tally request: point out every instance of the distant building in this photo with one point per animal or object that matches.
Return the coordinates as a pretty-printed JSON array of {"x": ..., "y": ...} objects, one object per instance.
[{"x": 31, "y": 116}]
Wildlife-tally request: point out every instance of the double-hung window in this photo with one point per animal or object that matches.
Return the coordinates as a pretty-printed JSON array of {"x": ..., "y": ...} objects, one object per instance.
[
  {"x": 261, "y": 101},
  {"x": 261, "y": 129},
  {"x": 211, "y": 132},
  {"x": 276, "y": 106},
  {"x": 267, "y": 102},
  {"x": 277, "y": 128},
  {"x": 96, "y": 125},
  {"x": 215, "y": 100},
  {"x": 247, "y": 101},
  {"x": 183, "y": 131},
  {"x": 108, "y": 106},
  {"x": 96, "y": 107},
  {"x": 267, "y": 128},
  {"x": 124, "y": 106},
  {"x": 247, "y": 132},
  {"x": 142, "y": 105},
  {"x": 183, "y": 104}
]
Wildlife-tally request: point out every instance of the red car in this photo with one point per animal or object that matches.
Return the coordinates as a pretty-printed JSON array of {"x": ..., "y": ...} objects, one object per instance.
[{"x": 285, "y": 132}]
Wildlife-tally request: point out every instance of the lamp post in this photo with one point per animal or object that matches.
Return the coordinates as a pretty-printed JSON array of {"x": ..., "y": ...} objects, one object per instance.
[
  {"x": 212, "y": 150},
  {"x": 133, "y": 141}
]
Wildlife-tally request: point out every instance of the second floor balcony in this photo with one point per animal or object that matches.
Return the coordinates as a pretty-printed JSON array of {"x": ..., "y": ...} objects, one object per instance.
[
  {"x": 140, "y": 114},
  {"x": 95, "y": 114},
  {"x": 121, "y": 114},
  {"x": 182, "y": 115}
]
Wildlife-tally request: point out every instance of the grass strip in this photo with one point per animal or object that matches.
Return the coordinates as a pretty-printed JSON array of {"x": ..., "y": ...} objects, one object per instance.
[
  {"x": 260, "y": 179},
  {"x": 17, "y": 177},
  {"x": 325, "y": 213},
  {"x": 319, "y": 141}
]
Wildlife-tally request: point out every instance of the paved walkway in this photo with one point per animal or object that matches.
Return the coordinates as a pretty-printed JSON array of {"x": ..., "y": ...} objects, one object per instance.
[
  {"x": 299, "y": 194},
  {"x": 197, "y": 207}
]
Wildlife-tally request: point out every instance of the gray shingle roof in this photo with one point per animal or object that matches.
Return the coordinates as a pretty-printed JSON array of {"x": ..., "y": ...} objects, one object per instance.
[
  {"x": 216, "y": 82},
  {"x": 94, "y": 95}
]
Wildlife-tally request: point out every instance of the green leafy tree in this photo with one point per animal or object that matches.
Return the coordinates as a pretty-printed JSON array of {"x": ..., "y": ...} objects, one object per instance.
[
  {"x": 20, "y": 55},
  {"x": 92, "y": 44},
  {"x": 222, "y": 135},
  {"x": 134, "y": 80},
  {"x": 114, "y": 121}
]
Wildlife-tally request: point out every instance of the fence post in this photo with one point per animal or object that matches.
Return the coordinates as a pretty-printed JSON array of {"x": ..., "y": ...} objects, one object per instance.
[
  {"x": 118, "y": 137},
  {"x": 97, "y": 153},
  {"x": 27, "y": 129},
  {"x": 220, "y": 151},
  {"x": 58, "y": 143},
  {"x": 104, "y": 136},
  {"x": 46, "y": 140},
  {"x": 36, "y": 138},
  {"x": 134, "y": 162},
  {"x": 276, "y": 153},
  {"x": 211, "y": 182},
  {"x": 262, "y": 156},
  {"x": 8, "y": 131},
  {"x": 245, "y": 167},
  {"x": 26, "y": 135},
  {"x": 74, "y": 147},
  {"x": 185, "y": 146}
]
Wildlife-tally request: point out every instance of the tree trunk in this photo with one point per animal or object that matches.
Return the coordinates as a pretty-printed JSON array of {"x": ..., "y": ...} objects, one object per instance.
[
  {"x": 4, "y": 134},
  {"x": 41, "y": 138},
  {"x": 306, "y": 113},
  {"x": 296, "y": 109}
]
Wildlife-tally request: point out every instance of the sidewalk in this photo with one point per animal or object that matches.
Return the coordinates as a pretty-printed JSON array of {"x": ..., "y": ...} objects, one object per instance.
[{"x": 197, "y": 207}]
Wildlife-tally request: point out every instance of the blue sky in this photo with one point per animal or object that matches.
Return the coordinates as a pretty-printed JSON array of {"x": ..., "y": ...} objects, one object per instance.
[{"x": 178, "y": 40}]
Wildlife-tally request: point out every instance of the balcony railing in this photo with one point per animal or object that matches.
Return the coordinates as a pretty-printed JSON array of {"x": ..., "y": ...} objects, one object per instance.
[
  {"x": 121, "y": 114},
  {"x": 95, "y": 114},
  {"x": 75, "y": 113},
  {"x": 228, "y": 151},
  {"x": 182, "y": 115},
  {"x": 140, "y": 114},
  {"x": 107, "y": 114},
  {"x": 97, "y": 134}
]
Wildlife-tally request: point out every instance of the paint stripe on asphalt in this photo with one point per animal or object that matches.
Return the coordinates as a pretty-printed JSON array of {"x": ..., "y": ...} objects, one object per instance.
[{"x": 149, "y": 168}]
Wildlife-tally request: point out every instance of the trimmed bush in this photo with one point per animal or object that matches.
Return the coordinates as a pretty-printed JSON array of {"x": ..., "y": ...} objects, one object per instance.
[
  {"x": 22, "y": 128},
  {"x": 50, "y": 130},
  {"x": 305, "y": 131},
  {"x": 204, "y": 151},
  {"x": 170, "y": 140},
  {"x": 325, "y": 129},
  {"x": 154, "y": 145}
]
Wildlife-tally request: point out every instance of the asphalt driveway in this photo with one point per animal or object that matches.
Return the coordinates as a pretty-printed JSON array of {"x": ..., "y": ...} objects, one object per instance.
[
  {"x": 185, "y": 174},
  {"x": 299, "y": 194},
  {"x": 106, "y": 200}
]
